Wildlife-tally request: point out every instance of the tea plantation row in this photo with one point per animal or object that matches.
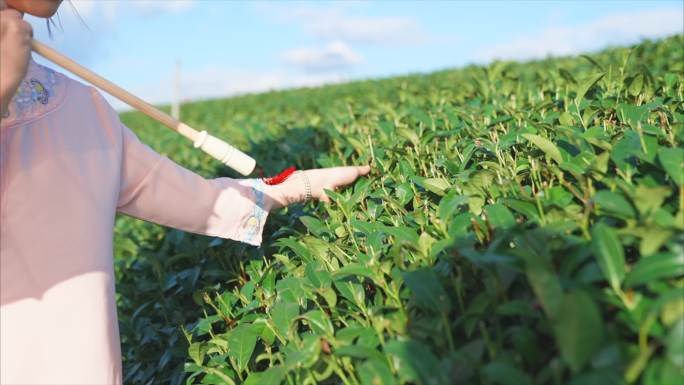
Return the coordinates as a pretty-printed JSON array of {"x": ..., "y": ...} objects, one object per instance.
[{"x": 523, "y": 225}]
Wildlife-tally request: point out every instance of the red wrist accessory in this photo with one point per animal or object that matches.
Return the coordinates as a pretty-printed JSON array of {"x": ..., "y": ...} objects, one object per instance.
[{"x": 280, "y": 178}]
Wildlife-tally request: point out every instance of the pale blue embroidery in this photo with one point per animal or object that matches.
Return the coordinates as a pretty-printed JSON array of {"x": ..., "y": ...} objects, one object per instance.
[
  {"x": 38, "y": 92},
  {"x": 258, "y": 211},
  {"x": 34, "y": 93}
]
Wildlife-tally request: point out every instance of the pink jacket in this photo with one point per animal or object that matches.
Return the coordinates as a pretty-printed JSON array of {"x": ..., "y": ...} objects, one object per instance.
[{"x": 68, "y": 165}]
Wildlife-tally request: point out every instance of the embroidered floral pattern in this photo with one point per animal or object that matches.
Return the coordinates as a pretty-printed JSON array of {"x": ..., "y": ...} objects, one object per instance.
[
  {"x": 259, "y": 214},
  {"x": 36, "y": 93}
]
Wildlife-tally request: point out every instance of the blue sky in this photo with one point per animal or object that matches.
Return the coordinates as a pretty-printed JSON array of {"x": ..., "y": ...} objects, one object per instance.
[{"x": 232, "y": 47}]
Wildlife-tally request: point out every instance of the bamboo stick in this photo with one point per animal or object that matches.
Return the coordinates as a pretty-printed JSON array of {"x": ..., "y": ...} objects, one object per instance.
[{"x": 217, "y": 148}]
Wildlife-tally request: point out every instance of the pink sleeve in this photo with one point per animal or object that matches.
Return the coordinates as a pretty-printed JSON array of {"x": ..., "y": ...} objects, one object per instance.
[{"x": 156, "y": 189}]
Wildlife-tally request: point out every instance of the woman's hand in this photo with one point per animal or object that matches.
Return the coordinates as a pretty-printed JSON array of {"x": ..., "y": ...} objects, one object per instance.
[
  {"x": 15, "y": 52},
  {"x": 293, "y": 189}
]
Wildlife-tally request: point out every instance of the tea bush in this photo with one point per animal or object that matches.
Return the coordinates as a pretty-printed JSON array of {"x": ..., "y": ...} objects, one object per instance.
[{"x": 523, "y": 225}]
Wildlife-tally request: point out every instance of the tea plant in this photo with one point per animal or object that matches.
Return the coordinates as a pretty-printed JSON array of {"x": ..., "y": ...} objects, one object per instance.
[{"x": 523, "y": 225}]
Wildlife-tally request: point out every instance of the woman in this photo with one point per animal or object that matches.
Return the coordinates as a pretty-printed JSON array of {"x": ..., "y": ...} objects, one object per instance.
[{"x": 68, "y": 165}]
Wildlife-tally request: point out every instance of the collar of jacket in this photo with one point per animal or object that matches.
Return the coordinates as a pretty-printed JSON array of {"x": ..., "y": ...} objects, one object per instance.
[{"x": 41, "y": 91}]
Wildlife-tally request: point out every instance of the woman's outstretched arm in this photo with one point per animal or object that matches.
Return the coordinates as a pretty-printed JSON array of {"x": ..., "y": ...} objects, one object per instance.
[{"x": 156, "y": 189}]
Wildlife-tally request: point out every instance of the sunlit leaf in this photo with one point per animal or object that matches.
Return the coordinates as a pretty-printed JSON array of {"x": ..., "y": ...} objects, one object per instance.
[{"x": 545, "y": 145}]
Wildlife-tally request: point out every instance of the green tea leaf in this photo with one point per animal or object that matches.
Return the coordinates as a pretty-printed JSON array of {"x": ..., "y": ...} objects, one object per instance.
[
  {"x": 195, "y": 352},
  {"x": 652, "y": 239},
  {"x": 415, "y": 361},
  {"x": 499, "y": 216},
  {"x": 626, "y": 151},
  {"x": 314, "y": 225},
  {"x": 585, "y": 85},
  {"x": 282, "y": 315},
  {"x": 649, "y": 199},
  {"x": 271, "y": 376},
  {"x": 304, "y": 354},
  {"x": 449, "y": 204},
  {"x": 403, "y": 234},
  {"x": 355, "y": 269},
  {"x": 545, "y": 145},
  {"x": 579, "y": 329},
  {"x": 292, "y": 289},
  {"x": 672, "y": 160},
  {"x": 609, "y": 254},
  {"x": 318, "y": 275},
  {"x": 656, "y": 267},
  {"x": 499, "y": 372},
  {"x": 540, "y": 272},
  {"x": 427, "y": 289},
  {"x": 675, "y": 344},
  {"x": 525, "y": 208},
  {"x": 592, "y": 61},
  {"x": 241, "y": 343},
  {"x": 359, "y": 351},
  {"x": 376, "y": 372},
  {"x": 436, "y": 185},
  {"x": 632, "y": 115},
  {"x": 614, "y": 204},
  {"x": 404, "y": 193},
  {"x": 353, "y": 292},
  {"x": 559, "y": 196},
  {"x": 318, "y": 322}
]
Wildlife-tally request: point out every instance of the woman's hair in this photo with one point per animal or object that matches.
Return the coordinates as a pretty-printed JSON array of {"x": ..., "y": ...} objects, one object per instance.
[{"x": 50, "y": 22}]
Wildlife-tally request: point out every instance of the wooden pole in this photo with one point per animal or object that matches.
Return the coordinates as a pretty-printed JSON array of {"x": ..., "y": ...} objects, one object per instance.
[{"x": 217, "y": 148}]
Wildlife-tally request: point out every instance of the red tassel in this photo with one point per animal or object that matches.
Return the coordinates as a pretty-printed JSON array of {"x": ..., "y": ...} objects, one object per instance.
[{"x": 280, "y": 178}]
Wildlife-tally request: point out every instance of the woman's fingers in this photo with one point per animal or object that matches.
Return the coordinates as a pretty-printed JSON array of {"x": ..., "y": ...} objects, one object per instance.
[
  {"x": 363, "y": 170},
  {"x": 347, "y": 175},
  {"x": 336, "y": 177},
  {"x": 320, "y": 180}
]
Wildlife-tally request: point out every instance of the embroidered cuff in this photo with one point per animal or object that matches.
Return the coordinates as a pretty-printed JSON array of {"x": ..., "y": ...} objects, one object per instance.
[
  {"x": 251, "y": 229},
  {"x": 240, "y": 212}
]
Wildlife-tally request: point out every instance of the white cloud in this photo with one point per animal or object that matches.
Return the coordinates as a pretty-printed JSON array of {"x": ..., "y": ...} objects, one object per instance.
[
  {"x": 333, "y": 56},
  {"x": 616, "y": 29},
  {"x": 375, "y": 30},
  {"x": 339, "y": 24}
]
